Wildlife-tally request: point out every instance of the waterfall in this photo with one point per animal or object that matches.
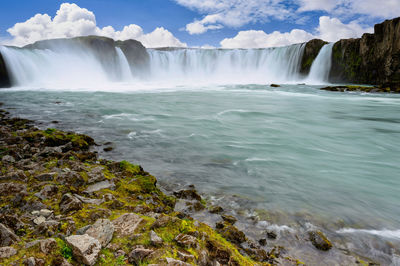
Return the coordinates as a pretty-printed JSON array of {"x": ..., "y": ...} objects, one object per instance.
[
  {"x": 279, "y": 65},
  {"x": 319, "y": 72},
  {"x": 80, "y": 66},
  {"x": 126, "y": 74}
]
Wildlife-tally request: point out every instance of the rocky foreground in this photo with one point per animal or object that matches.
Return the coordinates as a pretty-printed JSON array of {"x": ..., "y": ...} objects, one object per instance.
[{"x": 62, "y": 205}]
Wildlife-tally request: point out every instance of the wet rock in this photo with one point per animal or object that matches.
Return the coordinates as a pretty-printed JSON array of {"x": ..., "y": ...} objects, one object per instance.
[
  {"x": 8, "y": 159},
  {"x": 174, "y": 262},
  {"x": 229, "y": 219},
  {"x": 262, "y": 241},
  {"x": 155, "y": 239},
  {"x": 137, "y": 255},
  {"x": 190, "y": 194},
  {"x": 7, "y": 236},
  {"x": 6, "y": 252},
  {"x": 108, "y": 149},
  {"x": 45, "y": 177},
  {"x": 70, "y": 203},
  {"x": 106, "y": 184},
  {"x": 319, "y": 240},
  {"x": 271, "y": 235},
  {"x": 102, "y": 230},
  {"x": 127, "y": 224},
  {"x": 275, "y": 85},
  {"x": 216, "y": 209},
  {"x": 231, "y": 233},
  {"x": 11, "y": 188},
  {"x": 85, "y": 248},
  {"x": 186, "y": 241}
]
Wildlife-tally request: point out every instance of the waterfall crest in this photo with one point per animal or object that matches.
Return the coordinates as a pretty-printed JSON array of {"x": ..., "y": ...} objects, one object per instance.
[{"x": 80, "y": 66}]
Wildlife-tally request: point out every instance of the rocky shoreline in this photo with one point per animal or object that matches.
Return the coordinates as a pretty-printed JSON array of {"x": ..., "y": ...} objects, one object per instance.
[{"x": 62, "y": 205}]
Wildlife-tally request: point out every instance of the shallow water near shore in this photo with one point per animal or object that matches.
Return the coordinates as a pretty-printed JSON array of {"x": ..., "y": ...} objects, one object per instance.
[{"x": 294, "y": 155}]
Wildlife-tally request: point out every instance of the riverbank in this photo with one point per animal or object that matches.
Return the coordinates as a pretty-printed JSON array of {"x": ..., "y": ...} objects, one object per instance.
[{"x": 61, "y": 205}]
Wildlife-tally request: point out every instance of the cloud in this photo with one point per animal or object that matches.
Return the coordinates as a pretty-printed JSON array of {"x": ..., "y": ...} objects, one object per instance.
[
  {"x": 233, "y": 13},
  {"x": 329, "y": 29},
  {"x": 72, "y": 20},
  {"x": 236, "y": 13}
]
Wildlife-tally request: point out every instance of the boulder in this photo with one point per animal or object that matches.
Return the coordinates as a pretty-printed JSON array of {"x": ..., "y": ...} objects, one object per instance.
[
  {"x": 85, "y": 248},
  {"x": 127, "y": 224},
  {"x": 7, "y": 236},
  {"x": 102, "y": 230},
  {"x": 6, "y": 252},
  {"x": 70, "y": 203},
  {"x": 319, "y": 240}
]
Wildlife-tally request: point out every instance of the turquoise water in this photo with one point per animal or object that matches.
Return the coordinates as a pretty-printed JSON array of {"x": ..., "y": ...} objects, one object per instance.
[{"x": 293, "y": 149}]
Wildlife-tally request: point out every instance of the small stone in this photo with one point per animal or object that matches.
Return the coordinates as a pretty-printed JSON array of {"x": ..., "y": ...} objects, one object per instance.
[
  {"x": 108, "y": 197},
  {"x": 8, "y": 159},
  {"x": 127, "y": 224},
  {"x": 262, "y": 241},
  {"x": 47, "y": 192},
  {"x": 6, "y": 252},
  {"x": 39, "y": 220},
  {"x": 319, "y": 240},
  {"x": 45, "y": 213},
  {"x": 185, "y": 256},
  {"x": 85, "y": 248},
  {"x": 271, "y": 235},
  {"x": 174, "y": 262},
  {"x": 216, "y": 209},
  {"x": 190, "y": 194},
  {"x": 155, "y": 239},
  {"x": 187, "y": 241},
  {"x": 108, "y": 149},
  {"x": 102, "y": 230},
  {"x": 88, "y": 201}
]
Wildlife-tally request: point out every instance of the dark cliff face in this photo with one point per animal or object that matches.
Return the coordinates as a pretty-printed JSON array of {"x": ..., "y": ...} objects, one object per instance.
[
  {"x": 4, "y": 76},
  {"x": 371, "y": 59},
  {"x": 310, "y": 53},
  {"x": 137, "y": 56}
]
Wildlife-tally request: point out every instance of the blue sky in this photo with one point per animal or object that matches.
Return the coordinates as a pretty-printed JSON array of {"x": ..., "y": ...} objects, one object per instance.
[{"x": 219, "y": 23}]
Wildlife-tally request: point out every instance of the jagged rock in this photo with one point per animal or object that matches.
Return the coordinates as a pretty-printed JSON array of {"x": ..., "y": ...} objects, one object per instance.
[
  {"x": 271, "y": 235},
  {"x": 8, "y": 159},
  {"x": 187, "y": 241},
  {"x": 108, "y": 197},
  {"x": 31, "y": 261},
  {"x": 11, "y": 188},
  {"x": 127, "y": 224},
  {"x": 46, "y": 246},
  {"x": 102, "y": 230},
  {"x": 262, "y": 241},
  {"x": 106, "y": 184},
  {"x": 45, "y": 177},
  {"x": 71, "y": 178},
  {"x": 89, "y": 201},
  {"x": 6, "y": 252},
  {"x": 45, "y": 213},
  {"x": 185, "y": 256},
  {"x": 231, "y": 233},
  {"x": 12, "y": 221},
  {"x": 70, "y": 203},
  {"x": 174, "y": 262},
  {"x": 82, "y": 230},
  {"x": 138, "y": 254},
  {"x": 85, "y": 248},
  {"x": 163, "y": 221},
  {"x": 7, "y": 236},
  {"x": 39, "y": 220},
  {"x": 311, "y": 51},
  {"x": 319, "y": 240},
  {"x": 47, "y": 228},
  {"x": 17, "y": 175},
  {"x": 96, "y": 175},
  {"x": 155, "y": 239}
]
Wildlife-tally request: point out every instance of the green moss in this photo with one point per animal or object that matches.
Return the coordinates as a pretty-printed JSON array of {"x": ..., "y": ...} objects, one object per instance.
[
  {"x": 65, "y": 250},
  {"x": 131, "y": 168}
]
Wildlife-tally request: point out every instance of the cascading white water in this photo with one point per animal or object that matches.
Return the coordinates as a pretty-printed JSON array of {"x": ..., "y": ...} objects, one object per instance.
[
  {"x": 280, "y": 65},
  {"x": 320, "y": 68},
  {"x": 126, "y": 74},
  {"x": 78, "y": 66}
]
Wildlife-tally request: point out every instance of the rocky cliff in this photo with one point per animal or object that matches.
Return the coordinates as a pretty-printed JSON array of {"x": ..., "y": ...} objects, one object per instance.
[
  {"x": 4, "y": 77},
  {"x": 371, "y": 59},
  {"x": 311, "y": 51}
]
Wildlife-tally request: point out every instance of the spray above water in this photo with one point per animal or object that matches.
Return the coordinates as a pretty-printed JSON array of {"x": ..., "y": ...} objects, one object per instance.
[{"x": 79, "y": 66}]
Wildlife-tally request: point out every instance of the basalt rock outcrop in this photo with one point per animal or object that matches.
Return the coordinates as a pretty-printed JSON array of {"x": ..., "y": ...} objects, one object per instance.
[
  {"x": 371, "y": 59},
  {"x": 4, "y": 76},
  {"x": 311, "y": 51}
]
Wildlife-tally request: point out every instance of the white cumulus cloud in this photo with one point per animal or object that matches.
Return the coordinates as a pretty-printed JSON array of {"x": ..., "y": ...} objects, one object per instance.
[
  {"x": 72, "y": 21},
  {"x": 329, "y": 29}
]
